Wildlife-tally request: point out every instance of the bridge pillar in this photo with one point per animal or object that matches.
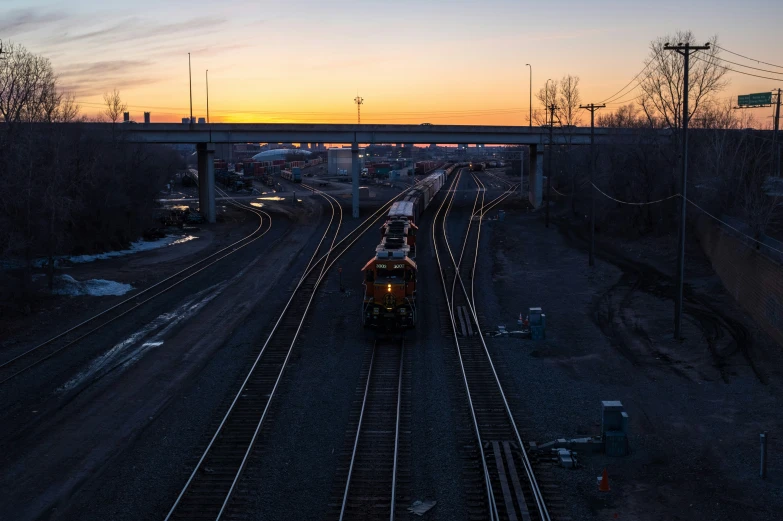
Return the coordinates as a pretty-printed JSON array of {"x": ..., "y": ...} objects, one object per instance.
[
  {"x": 355, "y": 178},
  {"x": 206, "y": 180},
  {"x": 536, "y": 175}
]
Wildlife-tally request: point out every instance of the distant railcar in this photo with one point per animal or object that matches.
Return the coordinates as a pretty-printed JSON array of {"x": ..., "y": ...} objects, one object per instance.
[{"x": 295, "y": 175}]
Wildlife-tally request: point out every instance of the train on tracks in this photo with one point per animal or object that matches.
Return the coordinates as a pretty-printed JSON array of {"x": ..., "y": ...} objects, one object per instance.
[
  {"x": 294, "y": 175},
  {"x": 389, "y": 303}
]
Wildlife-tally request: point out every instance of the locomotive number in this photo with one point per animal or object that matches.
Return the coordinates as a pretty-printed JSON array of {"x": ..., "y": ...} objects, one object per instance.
[
  {"x": 380, "y": 266},
  {"x": 399, "y": 266}
]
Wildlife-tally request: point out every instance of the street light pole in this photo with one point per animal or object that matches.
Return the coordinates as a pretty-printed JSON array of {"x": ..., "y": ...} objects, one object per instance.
[
  {"x": 531, "y": 94},
  {"x": 190, "y": 81},
  {"x": 207, "y": 95}
]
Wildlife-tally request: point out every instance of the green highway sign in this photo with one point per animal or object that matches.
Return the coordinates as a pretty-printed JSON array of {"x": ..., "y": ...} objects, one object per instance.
[{"x": 754, "y": 100}]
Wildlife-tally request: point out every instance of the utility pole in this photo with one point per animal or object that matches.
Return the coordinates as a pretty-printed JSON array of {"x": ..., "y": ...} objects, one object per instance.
[
  {"x": 592, "y": 107},
  {"x": 775, "y": 150},
  {"x": 359, "y": 101},
  {"x": 207, "y": 95},
  {"x": 685, "y": 50},
  {"x": 552, "y": 108},
  {"x": 190, "y": 80},
  {"x": 2, "y": 52},
  {"x": 546, "y": 98},
  {"x": 531, "y": 95}
]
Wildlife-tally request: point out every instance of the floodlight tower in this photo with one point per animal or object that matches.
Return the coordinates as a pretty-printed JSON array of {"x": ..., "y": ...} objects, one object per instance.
[{"x": 359, "y": 101}]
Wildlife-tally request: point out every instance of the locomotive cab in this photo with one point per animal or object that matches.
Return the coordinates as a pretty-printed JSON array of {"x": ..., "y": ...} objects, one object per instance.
[{"x": 390, "y": 292}]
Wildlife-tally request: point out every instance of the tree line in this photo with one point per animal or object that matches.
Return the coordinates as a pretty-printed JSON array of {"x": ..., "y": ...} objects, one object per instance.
[
  {"x": 730, "y": 164},
  {"x": 66, "y": 189}
]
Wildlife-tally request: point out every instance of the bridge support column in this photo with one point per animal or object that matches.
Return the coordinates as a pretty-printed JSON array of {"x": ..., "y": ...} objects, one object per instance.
[
  {"x": 536, "y": 175},
  {"x": 206, "y": 181},
  {"x": 355, "y": 178}
]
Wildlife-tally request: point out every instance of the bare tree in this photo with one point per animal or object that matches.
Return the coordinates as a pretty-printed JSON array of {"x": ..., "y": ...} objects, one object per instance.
[
  {"x": 27, "y": 81},
  {"x": 662, "y": 85},
  {"x": 627, "y": 116},
  {"x": 568, "y": 100},
  {"x": 546, "y": 95},
  {"x": 114, "y": 106}
]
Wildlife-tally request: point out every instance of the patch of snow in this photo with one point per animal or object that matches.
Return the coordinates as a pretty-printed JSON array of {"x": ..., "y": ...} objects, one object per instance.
[
  {"x": 136, "y": 247},
  {"x": 184, "y": 239},
  {"x": 67, "y": 285},
  {"x": 152, "y": 335}
]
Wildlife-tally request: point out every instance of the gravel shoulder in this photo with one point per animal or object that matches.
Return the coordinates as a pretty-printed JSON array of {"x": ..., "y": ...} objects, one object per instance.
[{"x": 696, "y": 407}]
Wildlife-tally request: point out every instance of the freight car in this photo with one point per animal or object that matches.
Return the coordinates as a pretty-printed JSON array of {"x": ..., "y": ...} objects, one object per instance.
[
  {"x": 389, "y": 302},
  {"x": 295, "y": 175}
]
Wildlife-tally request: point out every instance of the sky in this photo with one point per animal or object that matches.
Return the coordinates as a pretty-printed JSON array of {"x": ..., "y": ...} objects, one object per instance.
[{"x": 455, "y": 62}]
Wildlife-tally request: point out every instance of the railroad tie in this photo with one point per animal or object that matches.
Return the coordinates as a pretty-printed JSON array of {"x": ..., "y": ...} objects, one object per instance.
[
  {"x": 512, "y": 470},
  {"x": 468, "y": 318},
  {"x": 461, "y": 320},
  {"x": 507, "y": 499}
]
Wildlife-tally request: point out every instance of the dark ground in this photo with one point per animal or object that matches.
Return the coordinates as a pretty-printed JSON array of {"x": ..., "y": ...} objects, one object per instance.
[
  {"x": 123, "y": 444},
  {"x": 696, "y": 407}
]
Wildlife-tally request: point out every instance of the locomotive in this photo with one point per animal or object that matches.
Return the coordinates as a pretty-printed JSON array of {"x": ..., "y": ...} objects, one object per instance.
[{"x": 389, "y": 302}]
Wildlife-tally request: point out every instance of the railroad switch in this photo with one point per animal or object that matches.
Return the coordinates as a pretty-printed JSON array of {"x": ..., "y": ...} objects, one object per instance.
[
  {"x": 613, "y": 440},
  {"x": 566, "y": 458}
]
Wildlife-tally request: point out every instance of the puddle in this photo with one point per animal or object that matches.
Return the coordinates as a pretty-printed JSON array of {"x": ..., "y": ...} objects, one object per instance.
[{"x": 274, "y": 198}]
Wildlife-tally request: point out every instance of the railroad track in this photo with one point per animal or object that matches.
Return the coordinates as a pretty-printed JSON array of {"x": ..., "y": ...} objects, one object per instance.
[
  {"x": 210, "y": 491},
  {"x": 30, "y": 358},
  {"x": 372, "y": 483},
  {"x": 510, "y": 490}
]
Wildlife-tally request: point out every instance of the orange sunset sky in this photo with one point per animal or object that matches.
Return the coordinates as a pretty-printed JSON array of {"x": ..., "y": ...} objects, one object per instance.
[{"x": 451, "y": 62}]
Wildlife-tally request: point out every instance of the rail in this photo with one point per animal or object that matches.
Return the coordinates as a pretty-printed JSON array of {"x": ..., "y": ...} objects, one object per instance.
[
  {"x": 10, "y": 368},
  {"x": 378, "y": 391},
  {"x": 205, "y": 497},
  {"x": 477, "y": 368}
]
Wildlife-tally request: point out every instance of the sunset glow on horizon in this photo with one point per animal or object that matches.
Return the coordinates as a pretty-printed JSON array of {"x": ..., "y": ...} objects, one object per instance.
[{"x": 305, "y": 61}]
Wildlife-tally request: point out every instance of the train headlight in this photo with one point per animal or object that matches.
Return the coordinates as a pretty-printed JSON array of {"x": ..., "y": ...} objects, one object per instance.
[{"x": 388, "y": 288}]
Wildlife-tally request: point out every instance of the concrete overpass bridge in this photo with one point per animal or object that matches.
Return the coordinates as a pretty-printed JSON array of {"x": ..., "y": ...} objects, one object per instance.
[{"x": 205, "y": 136}]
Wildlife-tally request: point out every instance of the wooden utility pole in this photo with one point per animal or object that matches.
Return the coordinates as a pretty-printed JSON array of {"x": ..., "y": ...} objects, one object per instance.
[
  {"x": 592, "y": 107},
  {"x": 685, "y": 50},
  {"x": 552, "y": 108},
  {"x": 775, "y": 150}
]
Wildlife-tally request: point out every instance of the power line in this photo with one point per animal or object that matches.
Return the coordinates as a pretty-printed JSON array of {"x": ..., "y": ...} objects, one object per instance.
[
  {"x": 632, "y": 79},
  {"x": 445, "y": 113},
  {"x": 697, "y": 206},
  {"x": 732, "y": 227},
  {"x": 746, "y": 66},
  {"x": 748, "y": 58},
  {"x": 633, "y": 203},
  {"x": 738, "y": 72}
]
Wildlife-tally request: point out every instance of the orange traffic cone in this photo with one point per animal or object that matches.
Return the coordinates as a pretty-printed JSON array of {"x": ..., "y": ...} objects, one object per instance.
[{"x": 603, "y": 482}]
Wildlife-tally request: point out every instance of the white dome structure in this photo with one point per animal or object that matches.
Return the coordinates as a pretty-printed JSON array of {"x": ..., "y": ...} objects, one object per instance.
[{"x": 280, "y": 153}]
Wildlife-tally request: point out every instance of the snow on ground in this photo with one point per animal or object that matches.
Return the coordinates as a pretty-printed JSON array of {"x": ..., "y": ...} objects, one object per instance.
[
  {"x": 67, "y": 285},
  {"x": 136, "y": 247}
]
